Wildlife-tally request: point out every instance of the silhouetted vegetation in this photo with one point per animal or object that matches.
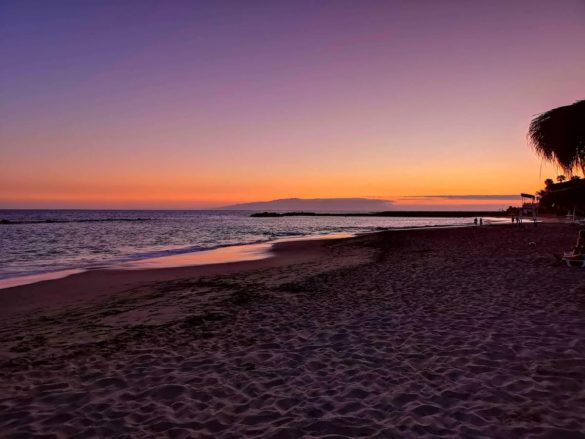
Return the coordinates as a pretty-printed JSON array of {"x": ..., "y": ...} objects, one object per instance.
[
  {"x": 558, "y": 135},
  {"x": 563, "y": 197}
]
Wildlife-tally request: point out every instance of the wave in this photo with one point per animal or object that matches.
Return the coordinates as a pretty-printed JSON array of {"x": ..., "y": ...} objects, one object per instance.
[
  {"x": 61, "y": 221},
  {"x": 140, "y": 256},
  {"x": 90, "y": 248},
  {"x": 276, "y": 235}
]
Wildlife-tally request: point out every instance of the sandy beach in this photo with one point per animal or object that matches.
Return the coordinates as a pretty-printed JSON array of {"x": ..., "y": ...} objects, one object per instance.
[{"x": 468, "y": 332}]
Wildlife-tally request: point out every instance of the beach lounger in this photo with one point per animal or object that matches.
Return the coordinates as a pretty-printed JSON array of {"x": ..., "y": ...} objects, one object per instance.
[{"x": 574, "y": 261}]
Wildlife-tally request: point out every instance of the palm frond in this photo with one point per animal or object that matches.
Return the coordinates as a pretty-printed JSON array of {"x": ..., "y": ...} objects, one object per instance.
[{"x": 558, "y": 135}]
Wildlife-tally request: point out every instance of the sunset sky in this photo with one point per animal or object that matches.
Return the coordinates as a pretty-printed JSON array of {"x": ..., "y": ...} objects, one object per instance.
[{"x": 194, "y": 104}]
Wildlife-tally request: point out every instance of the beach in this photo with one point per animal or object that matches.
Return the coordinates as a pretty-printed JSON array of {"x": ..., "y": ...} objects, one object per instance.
[{"x": 454, "y": 332}]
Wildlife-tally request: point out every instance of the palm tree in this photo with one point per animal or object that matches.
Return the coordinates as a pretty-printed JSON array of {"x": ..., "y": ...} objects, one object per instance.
[
  {"x": 561, "y": 178},
  {"x": 559, "y": 136}
]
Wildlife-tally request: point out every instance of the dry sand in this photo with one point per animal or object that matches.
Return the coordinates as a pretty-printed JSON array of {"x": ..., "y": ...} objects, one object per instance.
[{"x": 474, "y": 332}]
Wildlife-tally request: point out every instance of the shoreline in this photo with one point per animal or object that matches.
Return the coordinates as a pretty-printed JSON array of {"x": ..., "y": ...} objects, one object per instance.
[
  {"x": 56, "y": 291},
  {"x": 218, "y": 255},
  {"x": 103, "y": 283},
  {"x": 221, "y": 254}
]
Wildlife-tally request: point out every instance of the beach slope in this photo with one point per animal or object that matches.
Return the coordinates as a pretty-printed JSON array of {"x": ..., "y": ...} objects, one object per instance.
[{"x": 470, "y": 332}]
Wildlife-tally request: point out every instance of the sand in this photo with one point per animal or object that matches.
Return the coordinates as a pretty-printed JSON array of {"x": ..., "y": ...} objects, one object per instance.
[{"x": 475, "y": 332}]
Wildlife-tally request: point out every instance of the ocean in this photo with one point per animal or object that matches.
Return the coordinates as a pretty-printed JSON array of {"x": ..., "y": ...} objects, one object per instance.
[{"x": 34, "y": 242}]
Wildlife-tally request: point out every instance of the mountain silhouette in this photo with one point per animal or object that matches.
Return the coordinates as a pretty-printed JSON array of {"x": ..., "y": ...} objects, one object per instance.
[{"x": 316, "y": 205}]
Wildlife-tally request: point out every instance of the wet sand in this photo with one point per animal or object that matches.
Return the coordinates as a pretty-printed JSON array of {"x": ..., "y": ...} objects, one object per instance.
[
  {"x": 475, "y": 332},
  {"x": 82, "y": 287}
]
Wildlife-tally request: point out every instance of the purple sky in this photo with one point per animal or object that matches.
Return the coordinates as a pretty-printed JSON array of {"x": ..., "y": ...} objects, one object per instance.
[{"x": 197, "y": 104}]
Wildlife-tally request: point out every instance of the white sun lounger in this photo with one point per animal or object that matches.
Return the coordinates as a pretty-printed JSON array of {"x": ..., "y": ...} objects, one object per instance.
[{"x": 571, "y": 261}]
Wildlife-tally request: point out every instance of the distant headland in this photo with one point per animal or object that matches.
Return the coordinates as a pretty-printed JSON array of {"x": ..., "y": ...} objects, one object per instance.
[{"x": 316, "y": 205}]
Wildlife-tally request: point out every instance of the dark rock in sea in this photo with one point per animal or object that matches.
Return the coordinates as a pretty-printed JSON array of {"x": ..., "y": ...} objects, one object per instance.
[
  {"x": 394, "y": 213},
  {"x": 265, "y": 215},
  {"x": 276, "y": 214}
]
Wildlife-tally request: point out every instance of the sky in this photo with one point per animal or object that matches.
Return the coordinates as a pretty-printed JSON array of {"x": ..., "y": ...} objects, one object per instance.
[{"x": 195, "y": 104}]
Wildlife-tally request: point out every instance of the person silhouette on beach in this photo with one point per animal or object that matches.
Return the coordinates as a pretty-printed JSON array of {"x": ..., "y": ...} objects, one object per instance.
[
  {"x": 475, "y": 221},
  {"x": 481, "y": 221},
  {"x": 579, "y": 249}
]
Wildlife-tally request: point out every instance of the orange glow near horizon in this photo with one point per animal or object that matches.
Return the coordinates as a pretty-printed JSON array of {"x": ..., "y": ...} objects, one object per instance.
[
  {"x": 177, "y": 191},
  {"x": 173, "y": 185}
]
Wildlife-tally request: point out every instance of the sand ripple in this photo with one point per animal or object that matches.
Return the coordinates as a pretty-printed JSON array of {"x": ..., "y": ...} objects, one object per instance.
[{"x": 471, "y": 334}]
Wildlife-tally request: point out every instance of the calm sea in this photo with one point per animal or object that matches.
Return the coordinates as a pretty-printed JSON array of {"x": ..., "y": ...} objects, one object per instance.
[{"x": 43, "y": 241}]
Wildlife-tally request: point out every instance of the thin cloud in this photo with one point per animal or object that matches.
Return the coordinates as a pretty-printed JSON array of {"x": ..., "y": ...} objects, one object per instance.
[{"x": 462, "y": 197}]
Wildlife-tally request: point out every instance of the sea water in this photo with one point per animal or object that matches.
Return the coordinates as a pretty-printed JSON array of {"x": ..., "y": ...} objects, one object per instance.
[{"x": 33, "y": 242}]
